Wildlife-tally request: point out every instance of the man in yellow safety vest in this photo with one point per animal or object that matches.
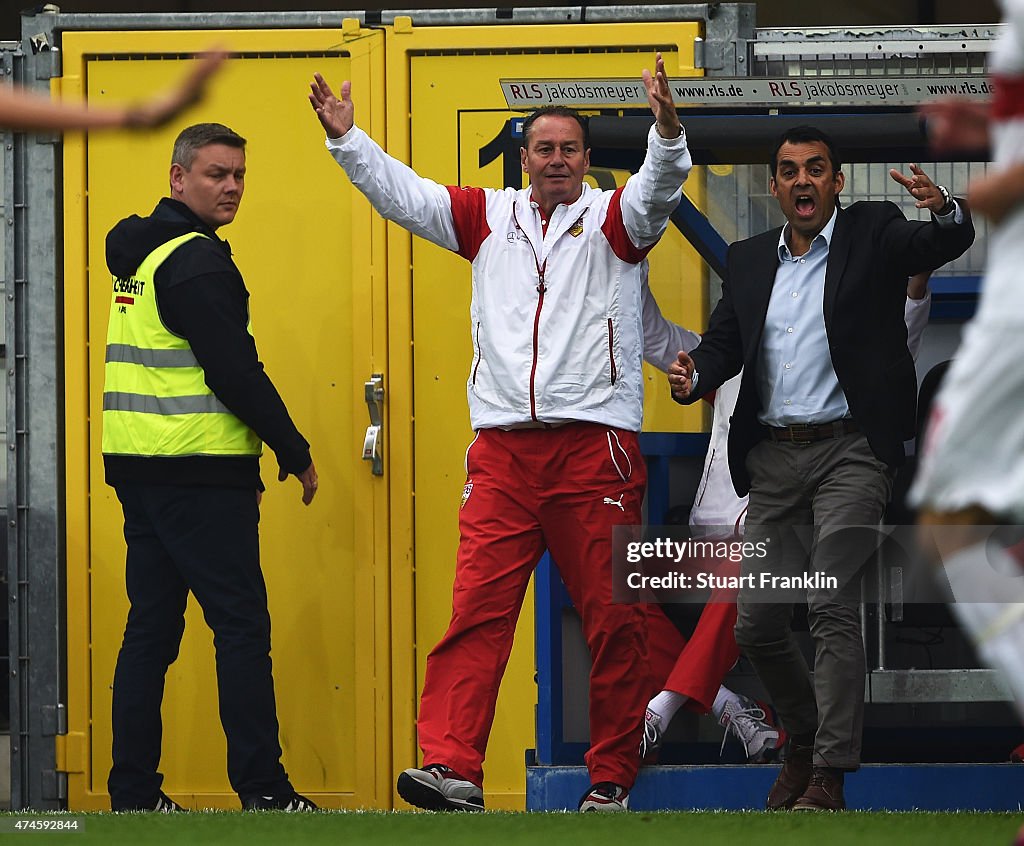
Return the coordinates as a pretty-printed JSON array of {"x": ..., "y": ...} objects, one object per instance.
[{"x": 186, "y": 409}]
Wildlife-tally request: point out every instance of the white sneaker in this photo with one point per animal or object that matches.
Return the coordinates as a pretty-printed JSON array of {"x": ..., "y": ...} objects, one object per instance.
[
  {"x": 653, "y": 732},
  {"x": 605, "y": 796},
  {"x": 438, "y": 788},
  {"x": 753, "y": 724}
]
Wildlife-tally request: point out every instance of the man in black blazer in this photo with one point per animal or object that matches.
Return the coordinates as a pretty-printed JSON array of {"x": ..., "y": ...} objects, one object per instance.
[{"x": 813, "y": 314}]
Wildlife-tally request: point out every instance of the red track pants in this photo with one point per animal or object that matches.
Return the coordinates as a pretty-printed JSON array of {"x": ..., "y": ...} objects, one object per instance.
[{"x": 529, "y": 489}]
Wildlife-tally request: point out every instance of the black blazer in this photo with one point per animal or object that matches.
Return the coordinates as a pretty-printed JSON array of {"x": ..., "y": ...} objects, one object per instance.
[{"x": 874, "y": 249}]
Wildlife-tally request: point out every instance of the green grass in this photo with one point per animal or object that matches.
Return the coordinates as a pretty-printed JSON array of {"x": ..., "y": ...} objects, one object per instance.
[{"x": 550, "y": 829}]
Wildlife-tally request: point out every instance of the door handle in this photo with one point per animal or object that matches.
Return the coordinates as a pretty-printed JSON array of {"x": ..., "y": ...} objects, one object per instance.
[{"x": 373, "y": 446}]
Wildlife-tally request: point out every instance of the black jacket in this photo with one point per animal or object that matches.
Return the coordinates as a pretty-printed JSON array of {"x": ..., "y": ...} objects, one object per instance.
[
  {"x": 874, "y": 249},
  {"x": 201, "y": 297}
]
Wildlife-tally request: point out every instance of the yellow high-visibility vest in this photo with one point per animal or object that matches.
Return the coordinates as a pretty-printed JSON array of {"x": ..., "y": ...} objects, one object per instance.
[{"x": 155, "y": 398}]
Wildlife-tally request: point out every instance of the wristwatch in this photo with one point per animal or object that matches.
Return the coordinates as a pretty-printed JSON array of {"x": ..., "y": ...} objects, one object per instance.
[{"x": 947, "y": 205}]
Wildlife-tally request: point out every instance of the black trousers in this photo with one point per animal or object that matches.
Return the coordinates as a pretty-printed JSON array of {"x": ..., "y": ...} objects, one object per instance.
[{"x": 204, "y": 540}]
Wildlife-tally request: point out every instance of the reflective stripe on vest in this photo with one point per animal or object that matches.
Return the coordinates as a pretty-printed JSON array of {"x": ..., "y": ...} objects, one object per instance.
[{"x": 155, "y": 398}]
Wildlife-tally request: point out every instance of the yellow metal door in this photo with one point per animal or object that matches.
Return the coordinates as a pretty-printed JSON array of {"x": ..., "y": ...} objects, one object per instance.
[
  {"x": 452, "y": 129},
  {"x": 310, "y": 253}
]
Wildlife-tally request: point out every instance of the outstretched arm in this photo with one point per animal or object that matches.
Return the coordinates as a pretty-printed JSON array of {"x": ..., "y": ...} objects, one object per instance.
[
  {"x": 394, "y": 189},
  {"x": 920, "y": 186},
  {"x": 29, "y": 110},
  {"x": 652, "y": 193},
  {"x": 913, "y": 245},
  {"x": 662, "y": 338},
  {"x": 956, "y": 125}
]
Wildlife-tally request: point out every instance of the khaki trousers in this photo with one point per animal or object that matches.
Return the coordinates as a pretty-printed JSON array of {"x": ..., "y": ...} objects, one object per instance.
[{"x": 806, "y": 504}]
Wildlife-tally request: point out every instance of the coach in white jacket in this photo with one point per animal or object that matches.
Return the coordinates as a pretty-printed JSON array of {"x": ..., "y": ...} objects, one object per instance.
[{"x": 555, "y": 396}]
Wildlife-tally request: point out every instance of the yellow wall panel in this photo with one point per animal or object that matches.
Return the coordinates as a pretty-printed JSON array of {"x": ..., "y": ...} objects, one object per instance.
[
  {"x": 311, "y": 304},
  {"x": 359, "y": 583}
]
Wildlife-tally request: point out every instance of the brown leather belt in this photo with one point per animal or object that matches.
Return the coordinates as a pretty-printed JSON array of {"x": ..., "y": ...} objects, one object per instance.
[
  {"x": 536, "y": 424},
  {"x": 809, "y": 433}
]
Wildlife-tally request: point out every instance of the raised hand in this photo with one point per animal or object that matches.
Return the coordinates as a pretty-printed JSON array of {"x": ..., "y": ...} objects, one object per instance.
[
  {"x": 921, "y": 188},
  {"x": 336, "y": 115},
  {"x": 659, "y": 95}
]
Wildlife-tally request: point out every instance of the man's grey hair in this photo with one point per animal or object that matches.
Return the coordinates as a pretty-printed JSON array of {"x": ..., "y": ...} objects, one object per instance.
[{"x": 192, "y": 138}]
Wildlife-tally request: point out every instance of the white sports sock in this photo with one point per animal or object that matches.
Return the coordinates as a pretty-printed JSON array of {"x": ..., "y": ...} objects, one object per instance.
[
  {"x": 723, "y": 699},
  {"x": 665, "y": 705}
]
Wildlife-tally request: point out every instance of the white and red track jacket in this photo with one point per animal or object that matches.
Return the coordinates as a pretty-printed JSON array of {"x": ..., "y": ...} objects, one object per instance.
[{"x": 556, "y": 314}]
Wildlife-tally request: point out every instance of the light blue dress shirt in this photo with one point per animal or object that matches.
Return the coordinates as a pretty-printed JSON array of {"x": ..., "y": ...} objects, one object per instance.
[{"x": 795, "y": 380}]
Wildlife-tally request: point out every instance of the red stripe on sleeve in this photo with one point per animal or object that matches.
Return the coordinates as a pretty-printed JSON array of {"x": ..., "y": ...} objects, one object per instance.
[
  {"x": 615, "y": 231},
  {"x": 469, "y": 212}
]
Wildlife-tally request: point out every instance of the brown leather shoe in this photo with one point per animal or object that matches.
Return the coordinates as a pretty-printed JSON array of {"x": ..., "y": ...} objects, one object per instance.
[
  {"x": 792, "y": 780},
  {"x": 823, "y": 793}
]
